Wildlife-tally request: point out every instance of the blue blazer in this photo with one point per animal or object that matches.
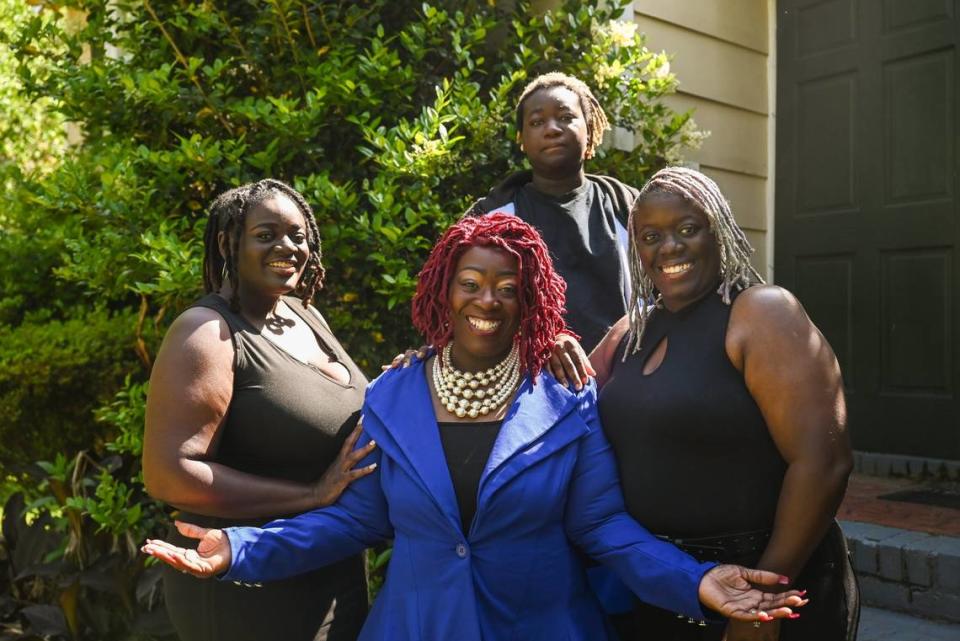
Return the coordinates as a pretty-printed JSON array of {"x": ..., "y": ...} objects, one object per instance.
[{"x": 550, "y": 484}]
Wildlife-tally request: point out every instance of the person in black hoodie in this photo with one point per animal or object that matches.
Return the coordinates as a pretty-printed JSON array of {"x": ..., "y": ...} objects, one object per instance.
[{"x": 582, "y": 217}]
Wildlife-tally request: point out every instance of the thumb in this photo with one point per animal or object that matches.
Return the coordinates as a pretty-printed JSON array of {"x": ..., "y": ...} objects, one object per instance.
[{"x": 190, "y": 530}]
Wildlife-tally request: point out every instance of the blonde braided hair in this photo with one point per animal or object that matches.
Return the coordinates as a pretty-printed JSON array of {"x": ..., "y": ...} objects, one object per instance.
[{"x": 702, "y": 193}]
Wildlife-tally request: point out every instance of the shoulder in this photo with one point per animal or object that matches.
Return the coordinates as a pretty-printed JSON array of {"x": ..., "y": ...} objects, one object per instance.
[
  {"x": 313, "y": 311},
  {"x": 585, "y": 398},
  {"x": 197, "y": 341},
  {"x": 501, "y": 194},
  {"x": 623, "y": 192},
  {"x": 767, "y": 303},
  {"x": 199, "y": 326},
  {"x": 768, "y": 317}
]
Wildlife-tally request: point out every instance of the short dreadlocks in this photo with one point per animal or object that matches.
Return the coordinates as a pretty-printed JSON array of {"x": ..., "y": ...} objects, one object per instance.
[
  {"x": 227, "y": 214},
  {"x": 596, "y": 119}
]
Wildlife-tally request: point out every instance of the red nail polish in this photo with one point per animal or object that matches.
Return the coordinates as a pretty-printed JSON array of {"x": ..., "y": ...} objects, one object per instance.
[
  {"x": 784, "y": 580},
  {"x": 803, "y": 592},
  {"x": 794, "y": 615}
]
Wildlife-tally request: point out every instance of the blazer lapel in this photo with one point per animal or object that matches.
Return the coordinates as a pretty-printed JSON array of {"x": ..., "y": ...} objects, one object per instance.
[
  {"x": 523, "y": 438},
  {"x": 408, "y": 433}
]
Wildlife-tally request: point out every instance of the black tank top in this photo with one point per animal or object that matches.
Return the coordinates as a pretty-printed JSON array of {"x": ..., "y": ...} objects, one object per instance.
[
  {"x": 694, "y": 452},
  {"x": 287, "y": 419}
]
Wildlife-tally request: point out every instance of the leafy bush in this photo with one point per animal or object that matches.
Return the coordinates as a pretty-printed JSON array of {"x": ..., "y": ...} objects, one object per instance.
[
  {"x": 389, "y": 116},
  {"x": 53, "y": 373}
]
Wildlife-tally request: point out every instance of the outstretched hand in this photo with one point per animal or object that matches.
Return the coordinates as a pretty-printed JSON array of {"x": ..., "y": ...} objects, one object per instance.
[
  {"x": 729, "y": 590},
  {"x": 211, "y": 557}
]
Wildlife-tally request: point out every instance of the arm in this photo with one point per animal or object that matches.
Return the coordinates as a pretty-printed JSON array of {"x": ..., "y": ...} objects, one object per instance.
[
  {"x": 657, "y": 572},
  {"x": 601, "y": 358},
  {"x": 190, "y": 390},
  {"x": 285, "y": 547},
  {"x": 793, "y": 376}
]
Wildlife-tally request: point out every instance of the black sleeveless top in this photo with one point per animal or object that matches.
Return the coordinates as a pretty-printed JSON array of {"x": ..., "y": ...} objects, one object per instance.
[
  {"x": 694, "y": 452},
  {"x": 467, "y": 447},
  {"x": 286, "y": 420}
]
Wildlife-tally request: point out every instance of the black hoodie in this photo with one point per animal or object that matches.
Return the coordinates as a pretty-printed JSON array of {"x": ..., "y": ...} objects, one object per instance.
[{"x": 585, "y": 231}]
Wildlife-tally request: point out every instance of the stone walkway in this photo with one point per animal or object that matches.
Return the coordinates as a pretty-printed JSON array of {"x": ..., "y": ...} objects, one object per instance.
[{"x": 883, "y": 625}]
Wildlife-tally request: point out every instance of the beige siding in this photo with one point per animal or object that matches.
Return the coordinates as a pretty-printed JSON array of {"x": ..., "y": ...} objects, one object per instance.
[
  {"x": 721, "y": 55},
  {"x": 738, "y": 138},
  {"x": 711, "y": 68},
  {"x": 742, "y": 22}
]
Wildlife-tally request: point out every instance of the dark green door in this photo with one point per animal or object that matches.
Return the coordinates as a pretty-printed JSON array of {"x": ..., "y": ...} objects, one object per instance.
[{"x": 867, "y": 224}]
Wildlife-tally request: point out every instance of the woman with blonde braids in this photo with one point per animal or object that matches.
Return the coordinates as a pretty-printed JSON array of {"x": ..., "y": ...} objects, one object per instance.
[{"x": 724, "y": 405}]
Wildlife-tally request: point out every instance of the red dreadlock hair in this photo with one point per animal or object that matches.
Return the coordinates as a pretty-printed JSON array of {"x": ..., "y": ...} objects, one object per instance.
[{"x": 541, "y": 289}]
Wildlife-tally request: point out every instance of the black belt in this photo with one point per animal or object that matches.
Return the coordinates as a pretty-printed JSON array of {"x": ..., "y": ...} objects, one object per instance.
[{"x": 721, "y": 548}]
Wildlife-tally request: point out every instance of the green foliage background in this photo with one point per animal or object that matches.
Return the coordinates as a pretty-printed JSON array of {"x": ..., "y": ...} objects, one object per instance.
[{"x": 389, "y": 116}]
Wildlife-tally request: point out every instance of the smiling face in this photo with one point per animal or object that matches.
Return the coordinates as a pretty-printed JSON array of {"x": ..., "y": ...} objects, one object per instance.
[
  {"x": 273, "y": 250},
  {"x": 484, "y": 307},
  {"x": 555, "y": 133},
  {"x": 677, "y": 250}
]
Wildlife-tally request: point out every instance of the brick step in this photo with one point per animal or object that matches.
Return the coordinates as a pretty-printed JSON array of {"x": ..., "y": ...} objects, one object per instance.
[
  {"x": 905, "y": 570},
  {"x": 902, "y": 466}
]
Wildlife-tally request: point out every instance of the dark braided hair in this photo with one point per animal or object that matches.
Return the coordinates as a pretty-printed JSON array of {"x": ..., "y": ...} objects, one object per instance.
[
  {"x": 541, "y": 291},
  {"x": 227, "y": 214},
  {"x": 593, "y": 113}
]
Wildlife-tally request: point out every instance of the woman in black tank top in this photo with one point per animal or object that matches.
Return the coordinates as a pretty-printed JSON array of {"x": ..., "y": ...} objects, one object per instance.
[
  {"x": 725, "y": 409},
  {"x": 252, "y": 415}
]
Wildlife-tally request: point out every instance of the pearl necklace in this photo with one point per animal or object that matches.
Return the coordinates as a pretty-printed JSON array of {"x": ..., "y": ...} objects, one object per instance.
[{"x": 475, "y": 394}]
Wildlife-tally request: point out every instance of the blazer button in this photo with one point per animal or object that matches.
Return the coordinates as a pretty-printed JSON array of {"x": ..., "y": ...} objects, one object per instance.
[{"x": 461, "y": 550}]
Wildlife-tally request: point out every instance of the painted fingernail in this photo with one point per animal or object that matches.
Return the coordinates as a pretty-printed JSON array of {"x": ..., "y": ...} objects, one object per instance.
[
  {"x": 803, "y": 592},
  {"x": 794, "y": 615},
  {"x": 783, "y": 580},
  {"x": 372, "y": 443},
  {"x": 765, "y": 617}
]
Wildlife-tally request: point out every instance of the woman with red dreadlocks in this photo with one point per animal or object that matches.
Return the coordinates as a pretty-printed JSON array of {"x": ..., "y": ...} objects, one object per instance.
[{"x": 488, "y": 473}]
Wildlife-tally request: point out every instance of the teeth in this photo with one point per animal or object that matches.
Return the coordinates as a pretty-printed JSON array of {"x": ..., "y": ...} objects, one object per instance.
[
  {"x": 281, "y": 263},
  {"x": 675, "y": 269},
  {"x": 483, "y": 325}
]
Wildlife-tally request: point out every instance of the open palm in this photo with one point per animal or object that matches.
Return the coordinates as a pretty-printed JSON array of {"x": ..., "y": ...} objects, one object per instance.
[
  {"x": 211, "y": 557},
  {"x": 729, "y": 590}
]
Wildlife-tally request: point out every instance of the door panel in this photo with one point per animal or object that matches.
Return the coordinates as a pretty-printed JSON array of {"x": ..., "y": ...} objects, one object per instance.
[{"x": 867, "y": 218}]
